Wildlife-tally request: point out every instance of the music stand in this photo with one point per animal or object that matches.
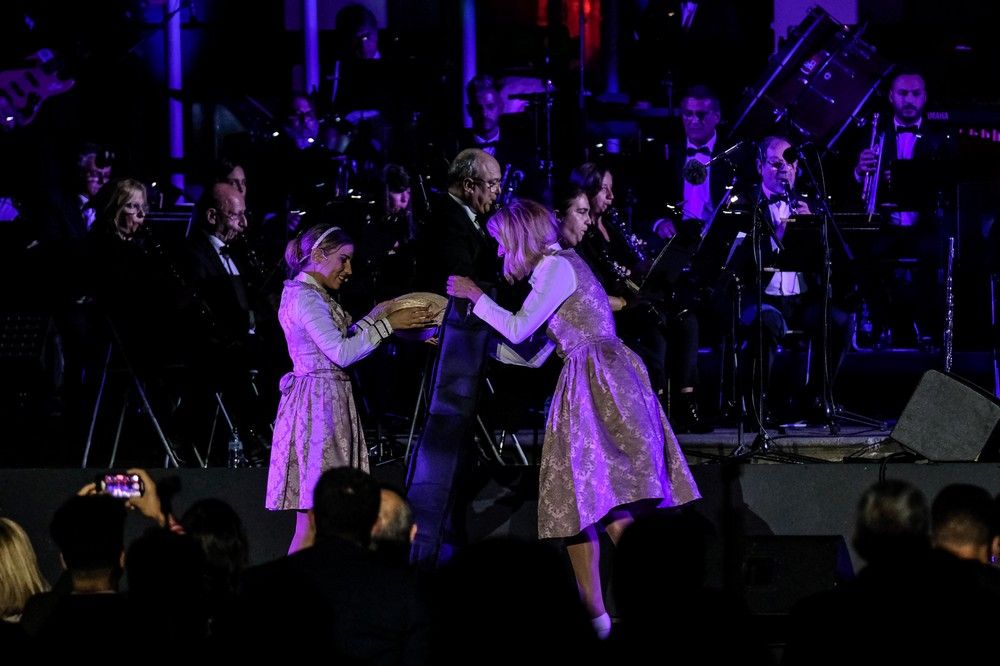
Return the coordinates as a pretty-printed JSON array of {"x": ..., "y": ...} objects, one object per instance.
[{"x": 827, "y": 222}]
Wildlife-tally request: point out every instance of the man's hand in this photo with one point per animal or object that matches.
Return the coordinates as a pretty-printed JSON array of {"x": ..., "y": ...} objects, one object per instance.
[{"x": 664, "y": 228}]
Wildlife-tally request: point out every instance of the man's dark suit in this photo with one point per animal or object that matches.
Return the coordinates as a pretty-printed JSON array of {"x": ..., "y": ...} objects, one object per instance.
[
  {"x": 451, "y": 245},
  {"x": 515, "y": 147},
  {"x": 803, "y": 311},
  {"x": 338, "y": 594},
  {"x": 225, "y": 295},
  {"x": 222, "y": 306}
]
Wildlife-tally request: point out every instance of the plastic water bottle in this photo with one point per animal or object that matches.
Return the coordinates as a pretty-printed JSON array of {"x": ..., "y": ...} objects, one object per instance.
[{"x": 236, "y": 458}]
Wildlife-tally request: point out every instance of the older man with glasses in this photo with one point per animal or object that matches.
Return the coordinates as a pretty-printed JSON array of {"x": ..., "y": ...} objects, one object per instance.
[
  {"x": 788, "y": 300},
  {"x": 240, "y": 330},
  {"x": 454, "y": 242}
]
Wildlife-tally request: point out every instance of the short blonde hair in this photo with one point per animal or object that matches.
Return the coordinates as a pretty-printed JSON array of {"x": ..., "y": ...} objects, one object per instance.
[
  {"x": 526, "y": 229},
  {"x": 19, "y": 574}
]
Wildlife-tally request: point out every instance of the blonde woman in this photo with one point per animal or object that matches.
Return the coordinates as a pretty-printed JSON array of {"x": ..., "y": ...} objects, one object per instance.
[
  {"x": 608, "y": 450},
  {"x": 19, "y": 574}
]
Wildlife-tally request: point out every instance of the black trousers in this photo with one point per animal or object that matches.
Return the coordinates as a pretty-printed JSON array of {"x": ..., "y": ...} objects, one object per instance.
[{"x": 780, "y": 314}]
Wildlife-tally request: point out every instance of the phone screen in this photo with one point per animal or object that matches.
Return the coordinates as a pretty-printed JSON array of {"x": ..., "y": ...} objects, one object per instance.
[{"x": 121, "y": 485}]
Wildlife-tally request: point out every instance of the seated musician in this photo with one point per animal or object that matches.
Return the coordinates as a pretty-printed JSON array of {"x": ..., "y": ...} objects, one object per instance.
[
  {"x": 505, "y": 136},
  {"x": 612, "y": 252},
  {"x": 688, "y": 177},
  {"x": 907, "y": 297},
  {"x": 789, "y": 300}
]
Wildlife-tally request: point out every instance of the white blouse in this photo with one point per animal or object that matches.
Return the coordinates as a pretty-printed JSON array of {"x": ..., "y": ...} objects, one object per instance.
[
  {"x": 312, "y": 313},
  {"x": 552, "y": 282}
]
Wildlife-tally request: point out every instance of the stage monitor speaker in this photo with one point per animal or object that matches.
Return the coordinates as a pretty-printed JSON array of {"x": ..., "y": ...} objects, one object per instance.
[
  {"x": 949, "y": 419},
  {"x": 778, "y": 571}
]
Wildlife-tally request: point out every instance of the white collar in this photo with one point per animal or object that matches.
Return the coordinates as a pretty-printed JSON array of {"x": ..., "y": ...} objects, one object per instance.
[
  {"x": 710, "y": 144},
  {"x": 468, "y": 209},
  {"x": 216, "y": 242},
  {"x": 308, "y": 279}
]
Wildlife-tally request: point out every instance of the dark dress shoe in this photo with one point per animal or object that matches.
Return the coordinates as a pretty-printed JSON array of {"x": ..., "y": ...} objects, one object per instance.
[{"x": 685, "y": 417}]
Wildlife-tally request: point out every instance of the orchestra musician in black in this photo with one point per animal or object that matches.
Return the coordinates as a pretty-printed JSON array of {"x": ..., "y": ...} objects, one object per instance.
[
  {"x": 386, "y": 252},
  {"x": 508, "y": 137},
  {"x": 776, "y": 301},
  {"x": 138, "y": 293},
  {"x": 644, "y": 320},
  {"x": 912, "y": 201},
  {"x": 693, "y": 180},
  {"x": 241, "y": 339}
]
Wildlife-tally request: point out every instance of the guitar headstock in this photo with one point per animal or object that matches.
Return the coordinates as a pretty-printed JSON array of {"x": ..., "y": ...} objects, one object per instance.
[{"x": 22, "y": 91}]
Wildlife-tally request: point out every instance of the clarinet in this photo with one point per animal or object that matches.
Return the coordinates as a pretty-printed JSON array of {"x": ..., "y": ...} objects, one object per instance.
[
  {"x": 635, "y": 246},
  {"x": 509, "y": 183},
  {"x": 949, "y": 311}
]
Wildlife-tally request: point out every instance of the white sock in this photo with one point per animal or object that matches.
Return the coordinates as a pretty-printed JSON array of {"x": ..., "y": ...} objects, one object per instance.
[{"x": 601, "y": 625}]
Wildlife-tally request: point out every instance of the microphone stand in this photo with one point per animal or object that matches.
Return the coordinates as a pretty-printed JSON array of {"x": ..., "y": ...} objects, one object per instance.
[
  {"x": 831, "y": 411},
  {"x": 763, "y": 231}
]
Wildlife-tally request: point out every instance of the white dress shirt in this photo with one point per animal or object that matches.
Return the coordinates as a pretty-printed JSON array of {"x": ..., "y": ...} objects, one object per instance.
[
  {"x": 698, "y": 198},
  {"x": 783, "y": 283}
]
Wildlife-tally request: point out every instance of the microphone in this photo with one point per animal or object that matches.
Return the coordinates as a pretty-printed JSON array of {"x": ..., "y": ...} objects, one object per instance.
[
  {"x": 793, "y": 153},
  {"x": 790, "y": 195},
  {"x": 695, "y": 172}
]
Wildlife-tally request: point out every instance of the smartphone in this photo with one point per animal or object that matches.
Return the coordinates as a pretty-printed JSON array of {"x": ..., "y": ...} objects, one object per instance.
[{"x": 121, "y": 485}]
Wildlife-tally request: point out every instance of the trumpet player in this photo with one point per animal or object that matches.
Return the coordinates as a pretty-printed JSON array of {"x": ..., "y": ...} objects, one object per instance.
[{"x": 906, "y": 297}]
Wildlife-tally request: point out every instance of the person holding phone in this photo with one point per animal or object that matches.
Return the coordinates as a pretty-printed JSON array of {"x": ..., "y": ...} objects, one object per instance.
[{"x": 317, "y": 425}]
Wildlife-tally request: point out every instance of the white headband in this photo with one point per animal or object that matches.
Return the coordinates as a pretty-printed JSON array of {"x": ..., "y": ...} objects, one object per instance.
[{"x": 321, "y": 237}]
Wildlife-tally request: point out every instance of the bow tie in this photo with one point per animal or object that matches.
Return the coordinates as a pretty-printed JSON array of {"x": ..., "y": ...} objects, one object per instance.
[
  {"x": 704, "y": 150},
  {"x": 777, "y": 198},
  {"x": 907, "y": 129}
]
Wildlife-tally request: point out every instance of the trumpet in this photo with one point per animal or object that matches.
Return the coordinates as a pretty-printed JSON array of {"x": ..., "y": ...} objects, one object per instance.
[{"x": 869, "y": 190}]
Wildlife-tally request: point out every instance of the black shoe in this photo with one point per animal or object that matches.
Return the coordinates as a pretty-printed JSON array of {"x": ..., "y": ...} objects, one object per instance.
[{"x": 685, "y": 417}]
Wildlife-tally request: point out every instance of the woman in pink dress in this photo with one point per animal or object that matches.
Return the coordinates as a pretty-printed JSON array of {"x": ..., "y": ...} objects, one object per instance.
[
  {"x": 317, "y": 426},
  {"x": 609, "y": 450}
]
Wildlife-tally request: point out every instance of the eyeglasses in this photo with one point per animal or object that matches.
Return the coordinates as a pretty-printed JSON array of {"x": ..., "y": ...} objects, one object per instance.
[
  {"x": 779, "y": 165},
  {"x": 134, "y": 208},
  {"x": 493, "y": 185},
  {"x": 232, "y": 217}
]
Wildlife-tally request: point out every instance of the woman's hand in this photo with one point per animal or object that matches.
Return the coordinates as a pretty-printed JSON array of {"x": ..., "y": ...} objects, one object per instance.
[
  {"x": 463, "y": 287},
  {"x": 417, "y": 317},
  {"x": 617, "y": 303}
]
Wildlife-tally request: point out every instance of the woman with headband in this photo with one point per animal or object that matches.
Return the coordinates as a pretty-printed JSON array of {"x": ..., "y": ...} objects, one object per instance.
[{"x": 317, "y": 426}]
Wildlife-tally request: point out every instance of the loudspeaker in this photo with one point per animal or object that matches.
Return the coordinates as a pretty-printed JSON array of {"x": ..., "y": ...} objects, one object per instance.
[
  {"x": 778, "y": 571},
  {"x": 949, "y": 419}
]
